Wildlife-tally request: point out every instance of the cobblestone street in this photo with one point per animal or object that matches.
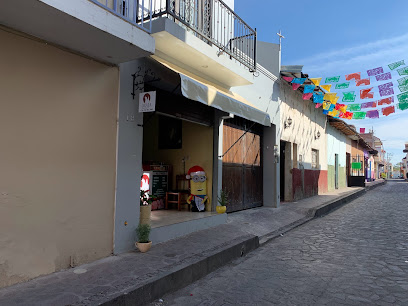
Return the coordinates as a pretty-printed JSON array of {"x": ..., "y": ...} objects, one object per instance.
[{"x": 357, "y": 255}]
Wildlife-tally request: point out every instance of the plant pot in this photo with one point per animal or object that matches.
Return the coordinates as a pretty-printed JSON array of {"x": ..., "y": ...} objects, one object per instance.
[
  {"x": 145, "y": 211},
  {"x": 221, "y": 209},
  {"x": 143, "y": 246}
]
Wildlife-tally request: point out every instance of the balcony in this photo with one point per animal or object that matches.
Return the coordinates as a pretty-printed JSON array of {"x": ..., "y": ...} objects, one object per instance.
[{"x": 87, "y": 27}]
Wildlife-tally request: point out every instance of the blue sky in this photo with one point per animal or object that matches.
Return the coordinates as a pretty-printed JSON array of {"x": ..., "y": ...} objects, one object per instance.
[{"x": 336, "y": 38}]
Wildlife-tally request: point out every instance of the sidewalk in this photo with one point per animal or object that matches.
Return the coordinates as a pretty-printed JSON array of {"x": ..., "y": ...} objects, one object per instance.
[{"x": 136, "y": 279}]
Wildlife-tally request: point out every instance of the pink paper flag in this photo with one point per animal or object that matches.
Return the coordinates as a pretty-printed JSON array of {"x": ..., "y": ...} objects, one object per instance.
[
  {"x": 307, "y": 96},
  {"x": 363, "y": 82},
  {"x": 289, "y": 79},
  {"x": 362, "y": 130},
  {"x": 318, "y": 105},
  {"x": 356, "y": 76},
  {"x": 296, "y": 85}
]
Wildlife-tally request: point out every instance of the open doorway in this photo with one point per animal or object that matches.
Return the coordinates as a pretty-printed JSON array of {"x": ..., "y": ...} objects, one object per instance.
[{"x": 282, "y": 170}]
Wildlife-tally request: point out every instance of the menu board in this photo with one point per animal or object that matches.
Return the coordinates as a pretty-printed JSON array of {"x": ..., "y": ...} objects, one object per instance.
[{"x": 159, "y": 183}]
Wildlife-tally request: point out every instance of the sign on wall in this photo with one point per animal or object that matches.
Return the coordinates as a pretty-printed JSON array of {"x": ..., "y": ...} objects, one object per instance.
[{"x": 147, "y": 102}]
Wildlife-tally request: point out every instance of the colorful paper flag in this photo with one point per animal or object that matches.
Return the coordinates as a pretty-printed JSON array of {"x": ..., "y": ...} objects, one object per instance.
[
  {"x": 299, "y": 80},
  {"x": 403, "y": 88},
  {"x": 334, "y": 79},
  {"x": 326, "y": 111},
  {"x": 384, "y": 76},
  {"x": 403, "y": 106},
  {"x": 369, "y": 105},
  {"x": 373, "y": 114},
  {"x": 318, "y": 97},
  {"x": 403, "y": 97},
  {"x": 388, "y": 110},
  {"x": 349, "y": 96},
  {"x": 353, "y": 76},
  {"x": 353, "y": 107},
  {"x": 403, "y": 81},
  {"x": 326, "y": 87},
  {"x": 316, "y": 81},
  {"x": 386, "y": 92},
  {"x": 309, "y": 89},
  {"x": 332, "y": 97},
  {"x": 375, "y": 71},
  {"x": 403, "y": 71},
  {"x": 385, "y": 86},
  {"x": 362, "y": 130},
  {"x": 307, "y": 96},
  {"x": 386, "y": 101},
  {"x": 396, "y": 65},
  {"x": 295, "y": 86},
  {"x": 286, "y": 78},
  {"x": 326, "y": 105},
  {"x": 346, "y": 115},
  {"x": 343, "y": 85},
  {"x": 318, "y": 105},
  {"x": 363, "y": 82},
  {"x": 359, "y": 115},
  {"x": 334, "y": 113},
  {"x": 366, "y": 93},
  {"x": 341, "y": 107}
]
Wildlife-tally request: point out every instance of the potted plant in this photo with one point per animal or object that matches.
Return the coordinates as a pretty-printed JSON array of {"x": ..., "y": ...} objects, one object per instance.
[
  {"x": 222, "y": 202},
  {"x": 145, "y": 207},
  {"x": 143, "y": 243}
]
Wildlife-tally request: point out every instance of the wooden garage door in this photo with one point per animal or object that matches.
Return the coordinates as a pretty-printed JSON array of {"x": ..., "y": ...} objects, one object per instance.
[{"x": 242, "y": 167}]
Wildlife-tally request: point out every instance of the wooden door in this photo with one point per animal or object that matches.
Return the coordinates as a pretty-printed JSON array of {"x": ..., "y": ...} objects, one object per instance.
[{"x": 242, "y": 168}]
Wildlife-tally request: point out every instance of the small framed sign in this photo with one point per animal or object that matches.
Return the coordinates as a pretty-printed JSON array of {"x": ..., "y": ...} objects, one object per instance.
[{"x": 147, "y": 102}]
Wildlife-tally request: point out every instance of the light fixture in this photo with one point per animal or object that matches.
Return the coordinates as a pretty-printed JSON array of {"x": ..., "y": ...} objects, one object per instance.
[
  {"x": 317, "y": 136},
  {"x": 288, "y": 122}
]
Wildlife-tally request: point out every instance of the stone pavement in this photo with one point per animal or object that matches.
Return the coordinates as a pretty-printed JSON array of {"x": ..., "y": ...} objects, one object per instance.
[
  {"x": 357, "y": 255},
  {"x": 136, "y": 279}
]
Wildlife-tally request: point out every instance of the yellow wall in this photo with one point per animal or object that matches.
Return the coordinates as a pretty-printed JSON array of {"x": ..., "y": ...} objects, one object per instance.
[
  {"x": 197, "y": 144},
  {"x": 57, "y": 158}
]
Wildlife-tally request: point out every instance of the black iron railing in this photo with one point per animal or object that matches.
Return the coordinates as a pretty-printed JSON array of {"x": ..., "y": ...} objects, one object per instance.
[{"x": 211, "y": 20}]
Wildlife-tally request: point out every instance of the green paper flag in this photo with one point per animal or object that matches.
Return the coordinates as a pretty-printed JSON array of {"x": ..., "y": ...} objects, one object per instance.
[
  {"x": 349, "y": 96},
  {"x": 403, "y": 71},
  {"x": 334, "y": 79},
  {"x": 403, "y": 97},
  {"x": 403, "y": 88},
  {"x": 403, "y": 106},
  {"x": 356, "y": 166},
  {"x": 403, "y": 81},
  {"x": 353, "y": 107},
  {"x": 396, "y": 64},
  {"x": 343, "y": 85},
  {"x": 359, "y": 115}
]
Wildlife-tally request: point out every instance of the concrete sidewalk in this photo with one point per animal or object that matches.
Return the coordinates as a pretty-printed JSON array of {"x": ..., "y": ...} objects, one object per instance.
[{"x": 136, "y": 279}]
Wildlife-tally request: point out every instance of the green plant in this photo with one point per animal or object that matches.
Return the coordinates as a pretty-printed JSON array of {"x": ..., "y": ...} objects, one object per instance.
[
  {"x": 223, "y": 198},
  {"x": 143, "y": 232}
]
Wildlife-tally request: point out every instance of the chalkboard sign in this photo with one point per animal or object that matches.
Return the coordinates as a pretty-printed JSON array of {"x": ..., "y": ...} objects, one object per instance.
[{"x": 159, "y": 183}]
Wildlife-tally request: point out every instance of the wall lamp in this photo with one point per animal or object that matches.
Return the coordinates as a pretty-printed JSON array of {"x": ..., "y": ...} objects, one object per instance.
[
  {"x": 288, "y": 122},
  {"x": 317, "y": 136}
]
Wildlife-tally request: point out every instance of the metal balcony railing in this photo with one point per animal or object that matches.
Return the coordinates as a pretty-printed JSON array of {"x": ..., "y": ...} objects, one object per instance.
[
  {"x": 137, "y": 12},
  {"x": 211, "y": 20}
]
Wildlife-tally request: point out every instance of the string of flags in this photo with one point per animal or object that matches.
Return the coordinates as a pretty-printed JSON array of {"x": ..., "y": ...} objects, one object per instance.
[{"x": 328, "y": 100}]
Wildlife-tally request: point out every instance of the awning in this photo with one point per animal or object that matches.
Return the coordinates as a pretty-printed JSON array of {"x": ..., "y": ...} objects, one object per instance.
[{"x": 203, "y": 91}]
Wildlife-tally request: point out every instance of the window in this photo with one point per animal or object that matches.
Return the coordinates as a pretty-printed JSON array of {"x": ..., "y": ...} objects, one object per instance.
[{"x": 315, "y": 159}]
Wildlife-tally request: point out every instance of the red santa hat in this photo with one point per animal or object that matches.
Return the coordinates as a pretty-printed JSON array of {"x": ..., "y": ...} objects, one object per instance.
[{"x": 195, "y": 170}]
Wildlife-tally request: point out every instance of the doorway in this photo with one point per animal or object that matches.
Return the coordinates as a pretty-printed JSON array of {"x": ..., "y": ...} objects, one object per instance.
[
  {"x": 336, "y": 171},
  {"x": 282, "y": 170}
]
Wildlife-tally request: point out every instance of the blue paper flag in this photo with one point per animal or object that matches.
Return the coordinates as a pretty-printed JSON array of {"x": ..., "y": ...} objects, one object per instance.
[
  {"x": 309, "y": 88},
  {"x": 318, "y": 97},
  {"x": 299, "y": 80}
]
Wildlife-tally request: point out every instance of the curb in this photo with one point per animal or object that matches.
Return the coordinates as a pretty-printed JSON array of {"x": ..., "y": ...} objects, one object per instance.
[{"x": 184, "y": 275}]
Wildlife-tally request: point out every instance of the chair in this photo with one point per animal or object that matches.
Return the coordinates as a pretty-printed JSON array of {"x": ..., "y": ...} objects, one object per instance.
[{"x": 179, "y": 195}]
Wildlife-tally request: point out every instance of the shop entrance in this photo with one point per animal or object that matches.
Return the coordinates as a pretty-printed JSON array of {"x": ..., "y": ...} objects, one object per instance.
[
  {"x": 176, "y": 137},
  {"x": 242, "y": 164}
]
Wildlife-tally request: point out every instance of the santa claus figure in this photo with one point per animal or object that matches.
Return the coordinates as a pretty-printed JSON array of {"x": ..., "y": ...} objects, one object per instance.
[{"x": 198, "y": 188}]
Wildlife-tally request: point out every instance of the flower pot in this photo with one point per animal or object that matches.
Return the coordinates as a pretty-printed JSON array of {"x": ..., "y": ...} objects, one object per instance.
[
  {"x": 145, "y": 211},
  {"x": 143, "y": 246},
  {"x": 221, "y": 209}
]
